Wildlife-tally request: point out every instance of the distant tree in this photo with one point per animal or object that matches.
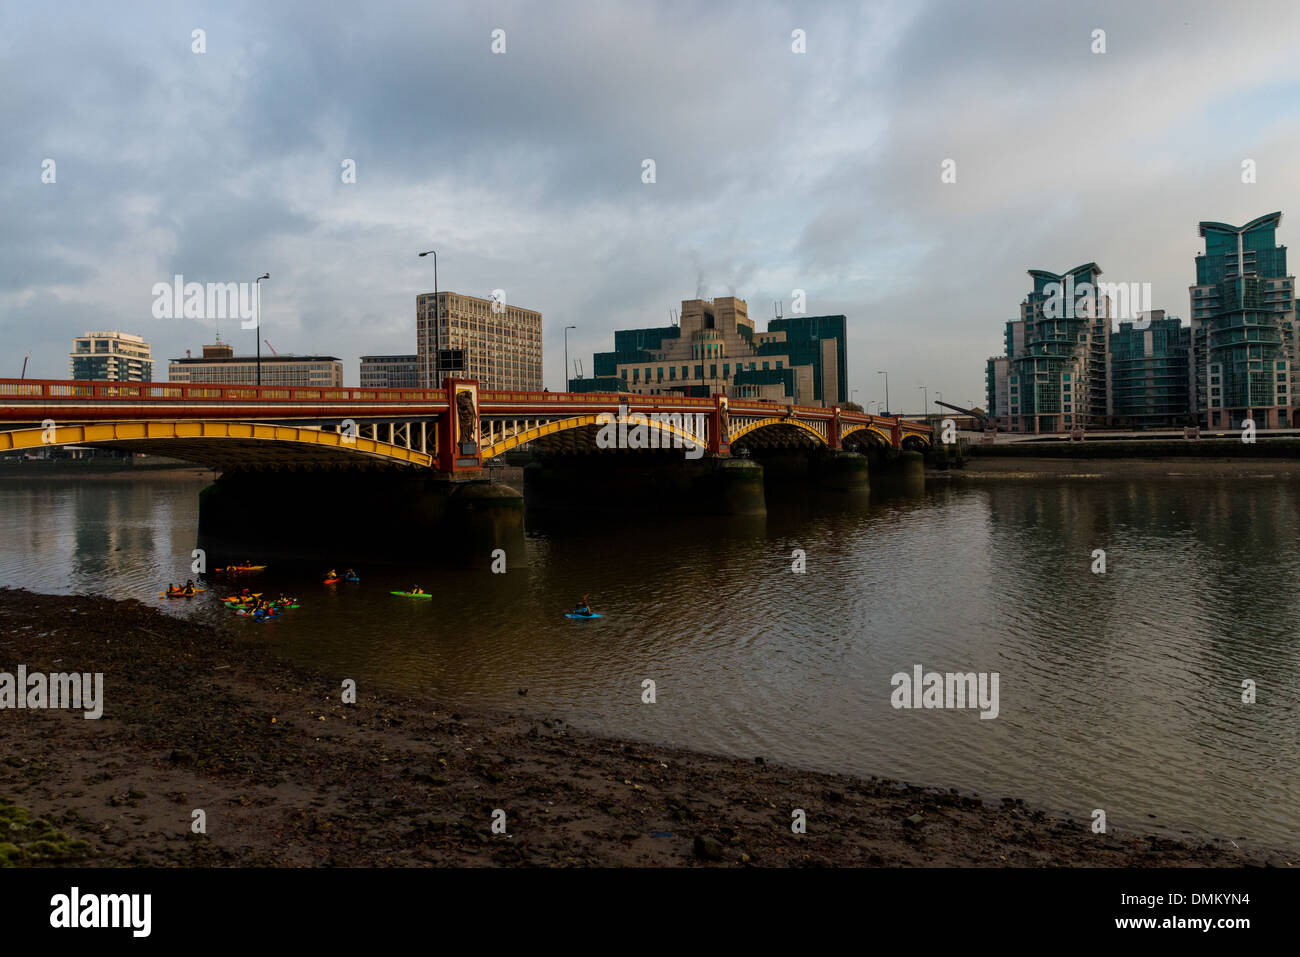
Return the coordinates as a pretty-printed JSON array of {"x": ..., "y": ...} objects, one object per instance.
[{"x": 851, "y": 407}]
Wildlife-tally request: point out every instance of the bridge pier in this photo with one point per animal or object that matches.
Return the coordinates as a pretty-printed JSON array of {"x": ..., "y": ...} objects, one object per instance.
[
  {"x": 612, "y": 481},
  {"x": 832, "y": 470},
  {"x": 342, "y": 517},
  {"x": 900, "y": 471}
]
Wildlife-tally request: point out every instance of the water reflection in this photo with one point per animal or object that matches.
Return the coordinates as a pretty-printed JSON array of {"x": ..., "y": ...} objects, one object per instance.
[{"x": 1119, "y": 690}]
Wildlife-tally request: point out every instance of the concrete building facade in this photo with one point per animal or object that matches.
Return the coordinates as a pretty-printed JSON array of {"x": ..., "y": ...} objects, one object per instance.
[
  {"x": 716, "y": 350},
  {"x": 390, "y": 372},
  {"x": 498, "y": 344},
  {"x": 112, "y": 356},
  {"x": 220, "y": 366}
]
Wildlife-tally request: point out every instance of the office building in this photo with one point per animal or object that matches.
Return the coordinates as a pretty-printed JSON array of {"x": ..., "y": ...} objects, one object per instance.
[
  {"x": 464, "y": 336},
  {"x": 717, "y": 350},
  {"x": 113, "y": 356},
  {"x": 390, "y": 372},
  {"x": 220, "y": 366}
]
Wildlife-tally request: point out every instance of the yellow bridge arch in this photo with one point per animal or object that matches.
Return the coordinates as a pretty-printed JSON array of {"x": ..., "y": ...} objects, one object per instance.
[
  {"x": 865, "y": 427},
  {"x": 584, "y": 421},
  {"x": 187, "y": 440},
  {"x": 774, "y": 420}
]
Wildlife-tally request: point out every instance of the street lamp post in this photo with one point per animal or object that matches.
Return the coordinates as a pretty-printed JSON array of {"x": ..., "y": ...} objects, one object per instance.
[
  {"x": 257, "y": 284},
  {"x": 886, "y": 375},
  {"x": 926, "y": 391},
  {"x": 566, "y": 357},
  {"x": 852, "y": 393},
  {"x": 437, "y": 316}
]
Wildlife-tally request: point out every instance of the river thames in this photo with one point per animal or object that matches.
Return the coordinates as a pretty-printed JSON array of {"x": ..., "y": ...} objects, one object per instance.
[{"x": 1119, "y": 690}]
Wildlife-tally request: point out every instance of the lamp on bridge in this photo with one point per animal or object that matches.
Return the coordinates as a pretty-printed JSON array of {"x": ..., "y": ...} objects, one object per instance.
[
  {"x": 258, "y": 284},
  {"x": 886, "y": 375},
  {"x": 437, "y": 318},
  {"x": 566, "y": 357}
]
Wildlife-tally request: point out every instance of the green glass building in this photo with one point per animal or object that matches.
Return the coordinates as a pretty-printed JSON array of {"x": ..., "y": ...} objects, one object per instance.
[
  {"x": 1149, "y": 373},
  {"x": 1243, "y": 326},
  {"x": 1053, "y": 376},
  {"x": 816, "y": 341}
]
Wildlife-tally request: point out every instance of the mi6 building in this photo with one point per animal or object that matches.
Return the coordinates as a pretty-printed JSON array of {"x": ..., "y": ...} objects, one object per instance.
[{"x": 717, "y": 350}]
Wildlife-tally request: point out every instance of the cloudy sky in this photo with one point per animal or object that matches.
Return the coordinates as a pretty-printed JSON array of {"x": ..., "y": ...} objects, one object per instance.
[{"x": 775, "y": 170}]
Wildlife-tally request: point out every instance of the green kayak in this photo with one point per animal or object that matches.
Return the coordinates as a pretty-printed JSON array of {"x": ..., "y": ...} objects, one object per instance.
[{"x": 411, "y": 594}]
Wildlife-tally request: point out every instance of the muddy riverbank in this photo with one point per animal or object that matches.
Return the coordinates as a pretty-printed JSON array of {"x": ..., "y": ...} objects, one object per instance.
[{"x": 197, "y": 718}]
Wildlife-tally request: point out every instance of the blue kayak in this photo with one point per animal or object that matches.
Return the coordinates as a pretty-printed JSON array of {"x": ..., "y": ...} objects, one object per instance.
[
  {"x": 582, "y": 617},
  {"x": 260, "y": 617},
  {"x": 353, "y": 578}
]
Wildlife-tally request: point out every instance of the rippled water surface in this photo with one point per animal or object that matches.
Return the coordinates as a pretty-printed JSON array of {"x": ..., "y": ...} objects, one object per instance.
[{"x": 1119, "y": 690}]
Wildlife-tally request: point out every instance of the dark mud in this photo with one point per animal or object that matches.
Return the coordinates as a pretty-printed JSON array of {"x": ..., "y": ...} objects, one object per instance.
[{"x": 207, "y": 718}]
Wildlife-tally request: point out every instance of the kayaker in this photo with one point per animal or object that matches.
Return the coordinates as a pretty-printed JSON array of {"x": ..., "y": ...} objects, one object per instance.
[
  {"x": 331, "y": 574},
  {"x": 172, "y": 589},
  {"x": 582, "y": 607},
  {"x": 349, "y": 574},
  {"x": 189, "y": 586},
  {"x": 417, "y": 590}
]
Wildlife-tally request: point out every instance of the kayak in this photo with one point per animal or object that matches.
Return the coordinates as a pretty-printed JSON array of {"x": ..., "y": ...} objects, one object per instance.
[
  {"x": 236, "y": 569},
  {"x": 330, "y": 581},
  {"x": 243, "y": 598},
  {"x": 180, "y": 594},
  {"x": 570, "y": 614},
  {"x": 354, "y": 579},
  {"x": 257, "y": 617},
  {"x": 411, "y": 594}
]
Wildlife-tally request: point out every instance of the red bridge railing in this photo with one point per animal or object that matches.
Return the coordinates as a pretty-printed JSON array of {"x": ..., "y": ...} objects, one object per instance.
[{"x": 35, "y": 390}]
